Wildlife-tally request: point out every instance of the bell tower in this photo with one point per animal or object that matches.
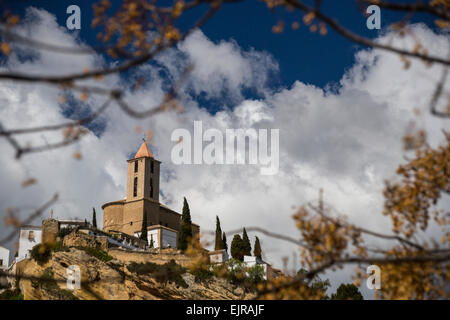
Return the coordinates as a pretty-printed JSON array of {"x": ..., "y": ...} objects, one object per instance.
[{"x": 143, "y": 176}]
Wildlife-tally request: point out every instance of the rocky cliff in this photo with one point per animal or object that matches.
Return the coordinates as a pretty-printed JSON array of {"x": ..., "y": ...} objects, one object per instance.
[{"x": 105, "y": 277}]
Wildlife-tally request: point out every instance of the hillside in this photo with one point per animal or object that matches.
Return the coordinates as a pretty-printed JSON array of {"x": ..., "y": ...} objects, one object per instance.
[{"x": 105, "y": 277}]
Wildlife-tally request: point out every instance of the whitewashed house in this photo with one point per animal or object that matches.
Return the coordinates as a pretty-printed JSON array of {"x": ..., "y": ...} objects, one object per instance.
[
  {"x": 163, "y": 237},
  {"x": 218, "y": 256},
  {"x": 269, "y": 272},
  {"x": 29, "y": 236},
  {"x": 4, "y": 258}
]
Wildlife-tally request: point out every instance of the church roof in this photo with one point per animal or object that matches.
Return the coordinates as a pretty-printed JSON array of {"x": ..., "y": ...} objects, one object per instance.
[{"x": 143, "y": 151}]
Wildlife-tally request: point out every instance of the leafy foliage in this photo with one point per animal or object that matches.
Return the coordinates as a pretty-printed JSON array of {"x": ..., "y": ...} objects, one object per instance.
[
  {"x": 168, "y": 272},
  {"x": 64, "y": 232},
  {"x": 237, "y": 249},
  {"x": 237, "y": 273},
  {"x": 94, "y": 218},
  {"x": 246, "y": 246},
  {"x": 151, "y": 245},
  {"x": 257, "y": 252},
  {"x": 41, "y": 253},
  {"x": 185, "y": 233},
  {"x": 144, "y": 232},
  {"x": 224, "y": 241},
  {"x": 15, "y": 294},
  {"x": 202, "y": 274},
  {"x": 49, "y": 284},
  {"x": 219, "y": 244},
  {"x": 347, "y": 292},
  {"x": 97, "y": 252}
]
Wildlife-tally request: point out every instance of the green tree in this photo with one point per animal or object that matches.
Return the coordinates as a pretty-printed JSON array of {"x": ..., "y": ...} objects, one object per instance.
[
  {"x": 144, "y": 235},
  {"x": 185, "y": 232},
  {"x": 317, "y": 285},
  {"x": 237, "y": 248},
  {"x": 224, "y": 240},
  {"x": 94, "y": 218},
  {"x": 219, "y": 245},
  {"x": 347, "y": 292},
  {"x": 247, "y": 247},
  {"x": 151, "y": 243},
  {"x": 257, "y": 249}
]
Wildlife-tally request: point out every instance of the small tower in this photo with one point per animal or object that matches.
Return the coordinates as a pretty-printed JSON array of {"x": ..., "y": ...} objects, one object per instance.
[{"x": 143, "y": 176}]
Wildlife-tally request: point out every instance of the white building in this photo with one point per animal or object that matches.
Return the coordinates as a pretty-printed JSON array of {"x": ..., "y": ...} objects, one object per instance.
[
  {"x": 269, "y": 272},
  {"x": 218, "y": 256},
  {"x": 29, "y": 236},
  {"x": 4, "y": 258},
  {"x": 163, "y": 237}
]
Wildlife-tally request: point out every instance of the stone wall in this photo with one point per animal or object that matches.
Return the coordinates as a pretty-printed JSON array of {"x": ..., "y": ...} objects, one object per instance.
[
  {"x": 155, "y": 256},
  {"x": 50, "y": 229},
  {"x": 113, "y": 216},
  {"x": 77, "y": 239}
]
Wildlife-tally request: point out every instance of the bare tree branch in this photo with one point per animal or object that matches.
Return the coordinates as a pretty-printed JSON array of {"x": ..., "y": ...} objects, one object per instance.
[
  {"x": 362, "y": 40},
  {"x": 37, "y": 213}
]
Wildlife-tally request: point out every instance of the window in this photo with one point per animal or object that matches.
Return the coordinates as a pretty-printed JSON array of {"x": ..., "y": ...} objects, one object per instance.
[
  {"x": 136, "y": 163},
  {"x": 1, "y": 262},
  {"x": 152, "y": 167},
  {"x": 135, "y": 187},
  {"x": 31, "y": 236},
  {"x": 151, "y": 188}
]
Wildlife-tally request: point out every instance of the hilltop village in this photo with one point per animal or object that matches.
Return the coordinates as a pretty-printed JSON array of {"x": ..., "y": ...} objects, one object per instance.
[{"x": 137, "y": 231}]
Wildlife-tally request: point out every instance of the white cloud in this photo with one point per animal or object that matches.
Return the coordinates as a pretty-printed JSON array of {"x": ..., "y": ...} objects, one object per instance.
[{"x": 346, "y": 142}]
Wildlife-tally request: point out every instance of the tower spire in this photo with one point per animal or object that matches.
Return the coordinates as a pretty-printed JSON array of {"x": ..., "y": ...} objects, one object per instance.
[{"x": 143, "y": 151}]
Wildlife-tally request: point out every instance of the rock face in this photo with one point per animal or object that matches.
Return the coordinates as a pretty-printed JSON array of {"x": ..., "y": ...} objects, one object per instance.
[
  {"x": 158, "y": 256},
  {"x": 77, "y": 239},
  {"x": 112, "y": 280}
]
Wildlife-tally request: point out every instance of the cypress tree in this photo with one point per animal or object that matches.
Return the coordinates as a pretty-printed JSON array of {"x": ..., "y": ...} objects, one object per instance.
[
  {"x": 236, "y": 249},
  {"x": 224, "y": 241},
  {"x": 151, "y": 243},
  {"x": 143, "y": 235},
  {"x": 219, "y": 245},
  {"x": 94, "y": 218},
  {"x": 257, "y": 249},
  {"x": 185, "y": 232},
  {"x": 247, "y": 247}
]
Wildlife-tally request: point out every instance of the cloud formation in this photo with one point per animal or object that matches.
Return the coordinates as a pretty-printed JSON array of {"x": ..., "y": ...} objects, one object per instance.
[{"x": 346, "y": 141}]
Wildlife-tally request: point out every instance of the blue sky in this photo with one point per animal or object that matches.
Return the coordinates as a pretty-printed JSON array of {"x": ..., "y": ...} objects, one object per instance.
[{"x": 302, "y": 55}]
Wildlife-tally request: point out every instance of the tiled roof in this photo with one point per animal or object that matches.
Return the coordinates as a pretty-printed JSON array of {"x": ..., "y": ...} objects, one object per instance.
[{"x": 143, "y": 151}]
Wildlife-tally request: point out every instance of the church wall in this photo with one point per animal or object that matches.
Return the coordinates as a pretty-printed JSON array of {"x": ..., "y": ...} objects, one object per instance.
[
  {"x": 173, "y": 221},
  {"x": 113, "y": 217},
  {"x": 169, "y": 219},
  {"x": 133, "y": 214}
]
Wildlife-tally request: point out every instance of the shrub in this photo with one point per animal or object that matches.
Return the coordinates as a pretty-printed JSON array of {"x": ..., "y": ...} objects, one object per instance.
[
  {"x": 64, "y": 232},
  {"x": 41, "y": 253},
  {"x": 255, "y": 275},
  {"x": 15, "y": 294},
  {"x": 168, "y": 272},
  {"x": 202, "y": 274},
  {"x": 236, "y": 272},
  {"x": 98, "y": 253},
  {"x": 48, "y": 283},
  {"x": 59, "y": 247}
]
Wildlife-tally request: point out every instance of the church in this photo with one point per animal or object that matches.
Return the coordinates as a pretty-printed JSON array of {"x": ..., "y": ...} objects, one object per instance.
[{"x": 142, "y": 195}]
